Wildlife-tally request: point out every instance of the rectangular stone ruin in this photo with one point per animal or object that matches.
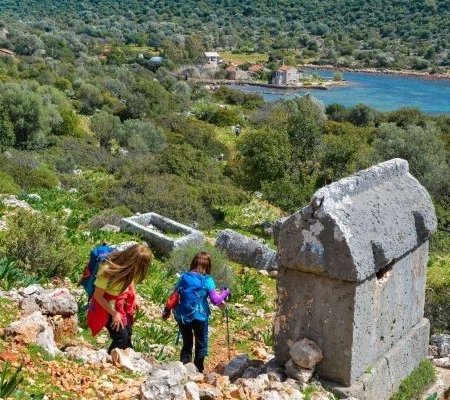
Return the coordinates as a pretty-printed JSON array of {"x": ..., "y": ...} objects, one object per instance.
[
  {"x": 246, "y": 251},
  {"x": 352, "y": 274},
  {"x": 162, "y": 234}
]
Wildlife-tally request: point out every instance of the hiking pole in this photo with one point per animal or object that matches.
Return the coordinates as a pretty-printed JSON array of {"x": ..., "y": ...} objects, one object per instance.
[{"x": 228, "y": 332}]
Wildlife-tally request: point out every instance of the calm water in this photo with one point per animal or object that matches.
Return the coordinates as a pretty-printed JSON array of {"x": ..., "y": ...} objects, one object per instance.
[{"x": 382, "y": 92}]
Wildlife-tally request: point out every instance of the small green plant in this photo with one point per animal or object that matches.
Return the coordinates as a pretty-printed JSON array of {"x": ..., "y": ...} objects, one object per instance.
[
  {"x": 139, "y": 315},
  {"x": 311, "y": 391},
  {"x": 248, "y": 284},
  {"x": 152, "y": 334},
  {"x": 39, "y": 352},
  {"x": 161, "y": 355},
  {"x": 12, "y": 276},
  {"x": 8, "y": 382},
  {"x": 267, "y": 336},
  {"x": 413, "y": 385},
  {"x": 434, "y": 396}
]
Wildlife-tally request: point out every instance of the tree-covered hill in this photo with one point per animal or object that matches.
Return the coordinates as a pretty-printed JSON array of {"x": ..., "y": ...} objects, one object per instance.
[{"x": 380, "y": 33}]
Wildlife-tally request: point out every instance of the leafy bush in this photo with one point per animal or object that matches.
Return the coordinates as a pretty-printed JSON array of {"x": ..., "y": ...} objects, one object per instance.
[
  {"x": 198, "y": 134},
  {"x": 27, "y": 171},
  {"x": 247, "y": 284},
  {"x": 39, "y": 245},
  {"x": 413, "y": 386},
  {"x": 145, "y": 338},
  {"x": 252, "y": 213},
  {"x": 226, "y": 117},
  {"x": 84, "y": 153},
  {"x": 110, "y": 216},
  {"x": 168, "y": 195},
  {"x": 7, "y": 184},
  {"x": 41, "y": 177},
  {"x": 223, "y": 274},
  {"x": 239, "y": 97},
  {"x": 437, "y": 296},
  {"x": 13, "y": 277},
  {"x": 159, "y": 283}
]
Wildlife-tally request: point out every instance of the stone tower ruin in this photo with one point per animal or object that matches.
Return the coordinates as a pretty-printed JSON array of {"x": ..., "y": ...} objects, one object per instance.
[{"x": 352, "y": 274}]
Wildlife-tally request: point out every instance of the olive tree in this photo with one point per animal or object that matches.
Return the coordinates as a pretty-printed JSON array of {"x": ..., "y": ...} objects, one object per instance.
[{"x": 422, "y": 148}]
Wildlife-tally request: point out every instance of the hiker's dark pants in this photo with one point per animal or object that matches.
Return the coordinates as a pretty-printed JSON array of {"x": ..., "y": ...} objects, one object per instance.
[
  {"x": 121, "y": 338},
  {"x": 197, "y": 330}
]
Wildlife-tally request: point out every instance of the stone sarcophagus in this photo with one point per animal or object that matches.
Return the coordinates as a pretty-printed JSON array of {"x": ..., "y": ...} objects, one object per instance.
[
  {"x": 352, "y": 274},
  {"x": 161, "y": 233}
]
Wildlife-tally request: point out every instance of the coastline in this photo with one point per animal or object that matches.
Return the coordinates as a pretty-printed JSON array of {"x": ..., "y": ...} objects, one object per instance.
[{"x": 380, "y": 71}]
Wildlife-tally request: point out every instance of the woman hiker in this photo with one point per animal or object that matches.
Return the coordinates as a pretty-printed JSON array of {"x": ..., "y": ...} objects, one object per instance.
[
  {"x": 114, "y": 301},
  {"x": 192, "y": 311}
]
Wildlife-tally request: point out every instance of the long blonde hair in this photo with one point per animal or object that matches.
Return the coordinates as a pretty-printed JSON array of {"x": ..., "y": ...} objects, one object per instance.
[{"x": 126, "y": 266}]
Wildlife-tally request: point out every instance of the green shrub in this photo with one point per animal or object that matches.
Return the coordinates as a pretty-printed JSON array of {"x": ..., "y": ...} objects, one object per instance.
[
  {"x": 437, "y": 295},
  {"x": 111, "y": 216},
  {"x": 39, "y": 245},
  {"x": 239, "y": 97},
  {"x": 223, "y": 274},
  {"x": 27, "y": 171},
  {"x": 146, "y": 337},
  {"x": 226, "y": 117},
  {"x": 159, "y": 283},
  {"x": 412, "y": 387},
  {"x": 33, "y": 178},
  {"x": 7, "y": 184},
  {"x": 11, "y": 276},
  {"x": 167, "y": 194},
  {"x": 198, "y": 134},
  {"x": 84, "y": 153},
  {"x": 248, "y": 284}
]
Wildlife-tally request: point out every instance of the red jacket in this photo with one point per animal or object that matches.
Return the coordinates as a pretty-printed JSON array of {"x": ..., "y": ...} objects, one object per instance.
[{"x": 97, "y": 316}]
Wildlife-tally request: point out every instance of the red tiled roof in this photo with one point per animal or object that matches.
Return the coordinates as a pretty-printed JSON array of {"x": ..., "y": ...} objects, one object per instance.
[
  {"x": 285, "y": 68},
  {"x": 256, "y": 68}
]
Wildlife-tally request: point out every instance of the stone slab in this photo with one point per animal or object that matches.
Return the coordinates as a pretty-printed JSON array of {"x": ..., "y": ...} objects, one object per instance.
[
  {"x": 383, "y": 378},
  {"x": 247, "y": 251}
]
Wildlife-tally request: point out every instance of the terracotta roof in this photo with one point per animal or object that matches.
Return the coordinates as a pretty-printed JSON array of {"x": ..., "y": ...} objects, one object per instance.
[
  {"x": 285, "y": 68},
  {"x": 256, "y": 68},
  {"x": 6, "y": 51}
]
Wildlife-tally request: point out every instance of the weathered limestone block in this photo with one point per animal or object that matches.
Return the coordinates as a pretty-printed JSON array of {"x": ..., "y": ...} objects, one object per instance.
[
  {"x": 33, "y": 328},
  {"x": 247, "y": 251},
  {"x": 57, "y": 302},
  {"x": 299, "y": 373},
  {"x": 352, "y": 270},
  {"x": 383, "y": 378},
  {"x": 305, "y": 353}
]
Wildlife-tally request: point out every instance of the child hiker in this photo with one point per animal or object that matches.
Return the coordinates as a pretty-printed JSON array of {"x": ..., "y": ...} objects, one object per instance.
[
  {"x": 114, "y": 301},
  {"x": 192, "y": 311}
]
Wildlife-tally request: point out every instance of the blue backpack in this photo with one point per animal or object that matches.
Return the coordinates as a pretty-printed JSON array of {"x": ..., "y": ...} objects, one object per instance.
[
  {"x": 193, "y": 302},
  {"x": 97, "y": 255}
]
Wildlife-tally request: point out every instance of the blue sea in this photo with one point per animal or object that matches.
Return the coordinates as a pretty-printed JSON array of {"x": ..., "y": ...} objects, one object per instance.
[{"x": 382, "y": 92}]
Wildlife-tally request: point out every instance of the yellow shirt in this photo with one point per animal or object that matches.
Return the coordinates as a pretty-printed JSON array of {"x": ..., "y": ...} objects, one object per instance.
[{"x": 103, "y": 283}]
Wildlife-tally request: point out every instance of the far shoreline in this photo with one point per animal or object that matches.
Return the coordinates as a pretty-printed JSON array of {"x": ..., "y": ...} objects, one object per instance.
[{"x": 407, "y": 73}]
